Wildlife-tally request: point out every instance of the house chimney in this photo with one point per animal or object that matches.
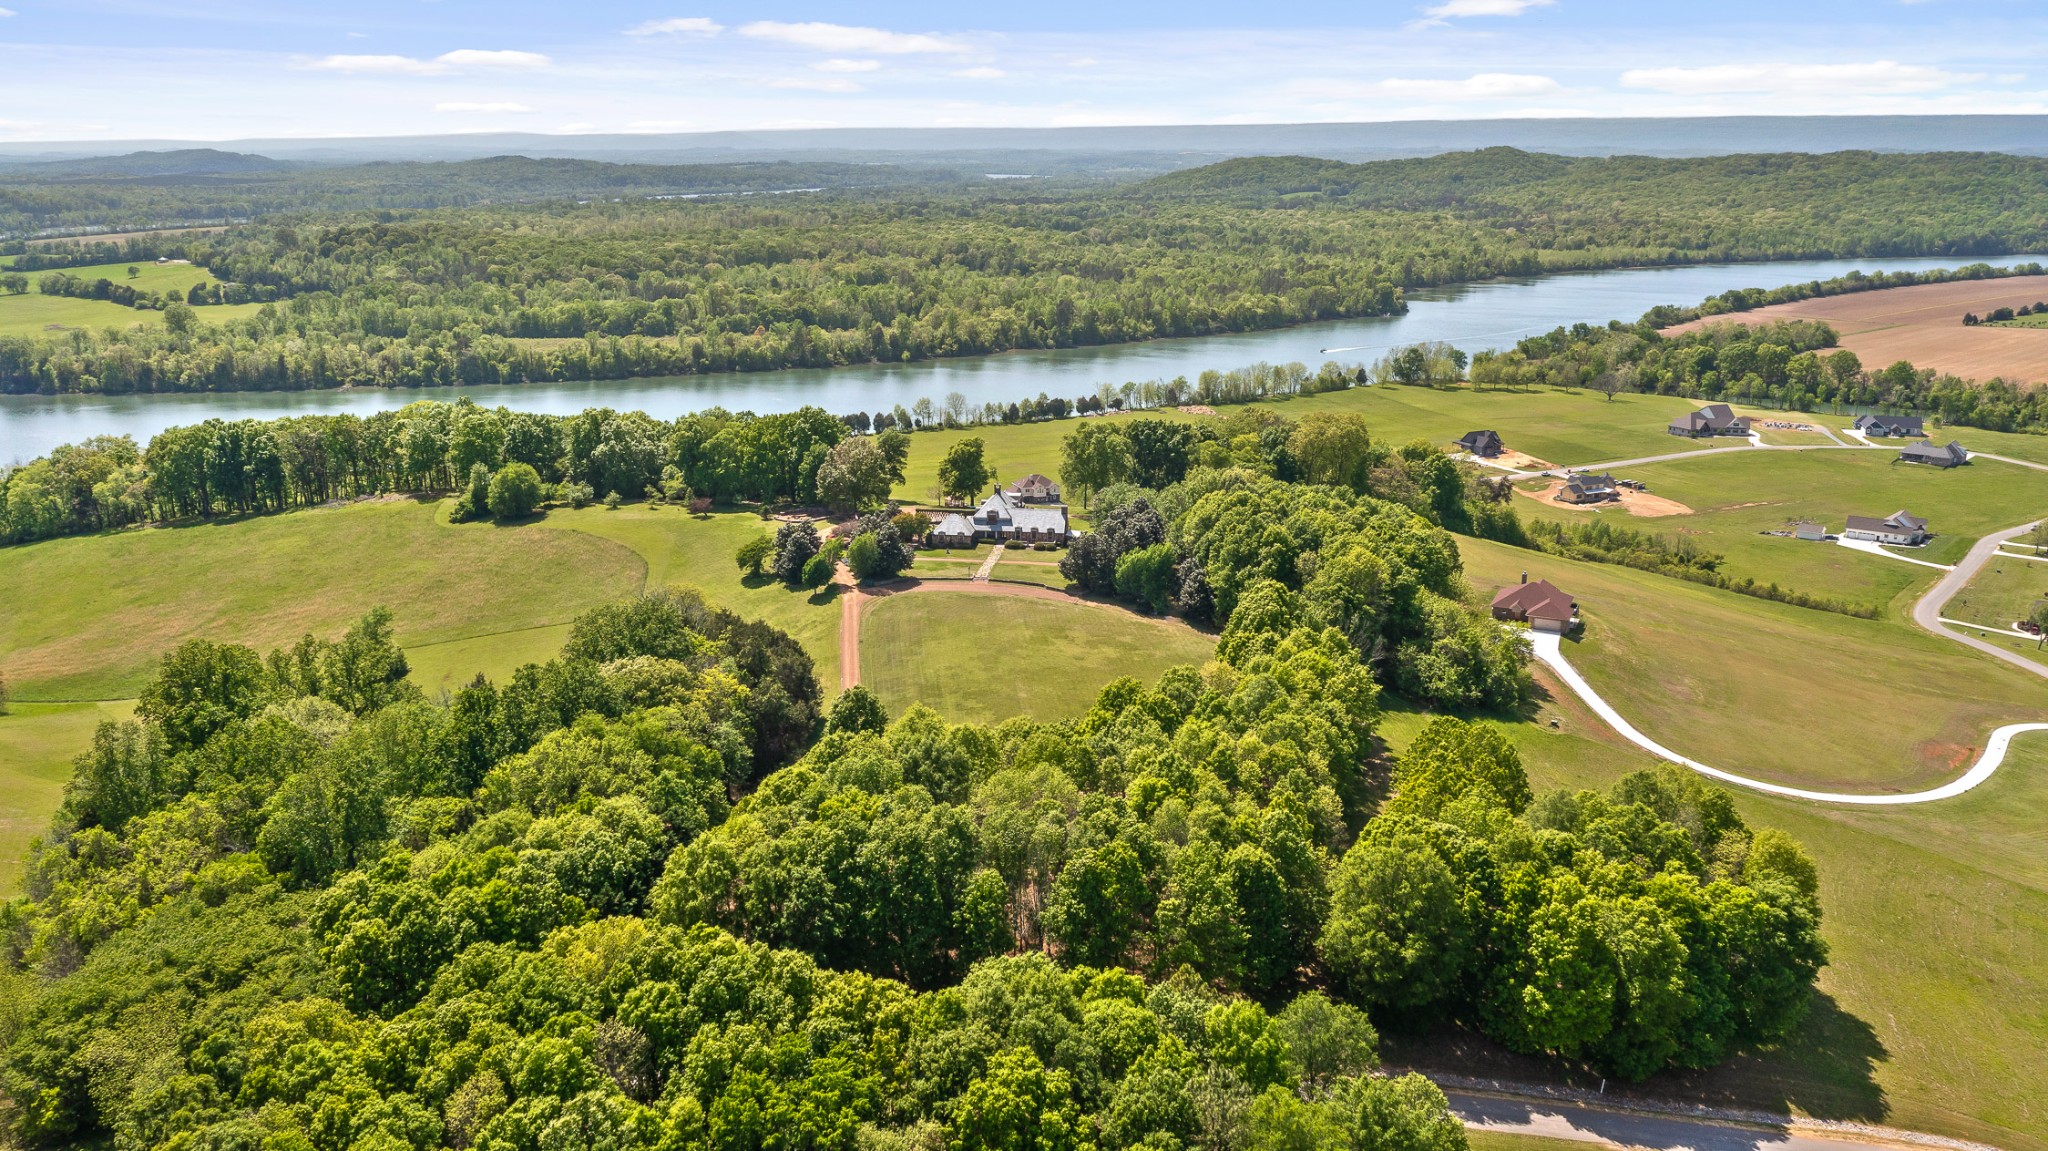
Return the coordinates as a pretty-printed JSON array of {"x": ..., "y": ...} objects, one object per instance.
[{"x": 1525, "y": 577}]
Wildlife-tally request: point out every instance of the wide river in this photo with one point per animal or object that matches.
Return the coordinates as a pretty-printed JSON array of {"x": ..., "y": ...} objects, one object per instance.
[{"x": 1493, "y": 314}]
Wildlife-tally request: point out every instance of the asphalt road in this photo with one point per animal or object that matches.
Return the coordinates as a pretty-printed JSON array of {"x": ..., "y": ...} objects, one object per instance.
[
  {"x": 1927, "y": 611},
  {"x": 1557, "y": 1120}
]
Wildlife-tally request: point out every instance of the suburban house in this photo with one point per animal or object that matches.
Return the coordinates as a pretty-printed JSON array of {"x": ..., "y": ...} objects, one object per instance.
[
  {"x": 1950, "y": 456},
  {"x": 1539, "y": 604},
  {"x": 1896, "y": 528},
  {"x": 1587, "y": 488},
  {"x": 1712, "y": 420},
  {"x": 1033, "y": 489},
  {"x": 1910, "y": 427},
  {"x": 1808, "y": 530},
  {"x": 1485, "y": 445},
  {"x": 1001, "y": 519}
]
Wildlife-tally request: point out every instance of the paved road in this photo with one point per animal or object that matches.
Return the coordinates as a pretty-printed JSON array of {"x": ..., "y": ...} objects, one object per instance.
[
  {"x": 1927, "y": 612},
  {"x": 1556, "y": 1120}
]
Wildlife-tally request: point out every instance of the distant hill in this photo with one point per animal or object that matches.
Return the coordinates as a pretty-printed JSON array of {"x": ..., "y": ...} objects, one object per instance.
[{"x": 146, "y": 165}]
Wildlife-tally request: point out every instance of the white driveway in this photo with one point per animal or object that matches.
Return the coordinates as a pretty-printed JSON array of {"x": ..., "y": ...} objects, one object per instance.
[{"x": 1878, "y": 549}]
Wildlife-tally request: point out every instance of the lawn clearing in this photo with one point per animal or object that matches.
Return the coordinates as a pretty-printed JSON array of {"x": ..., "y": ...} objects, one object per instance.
[
  {"x": 37, "y": 744},
  {"x": 1809, "y": 698},
  {"x": 34, "y": 314},
  {"x": 1924, "y": 324},
  {"x": 86, "y": 617},
  {"x": 980, "y": 658},
  {"x": 444, "y": 667}
]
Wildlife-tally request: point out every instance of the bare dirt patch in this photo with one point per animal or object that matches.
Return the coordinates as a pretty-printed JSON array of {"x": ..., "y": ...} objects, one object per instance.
[
  {"x": 1508, "y": 457},
  {"x": 1635, "y": 503},
  {"x": 1924, "y": 325}
]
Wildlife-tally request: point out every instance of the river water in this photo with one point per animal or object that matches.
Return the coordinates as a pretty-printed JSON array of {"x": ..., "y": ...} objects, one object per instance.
[{"x": 1488, "y": 315}]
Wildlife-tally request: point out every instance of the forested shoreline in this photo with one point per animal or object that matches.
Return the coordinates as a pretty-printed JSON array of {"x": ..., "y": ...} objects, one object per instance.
[{"x": 610, "y": 289}]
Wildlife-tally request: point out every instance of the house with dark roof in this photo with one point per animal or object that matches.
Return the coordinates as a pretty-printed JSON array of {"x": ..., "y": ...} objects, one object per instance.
[
  {"x": 1587, "y": 488},
  {"x": 1033, "y": 489},
  {"x": 1537, "y": 603},
  {"x": 1909, "y": 427},
  {"x": 1897, "y": 528},
  {"x": 1485, "y": 444},
  {"x": 1712, "y": 420},
  {"x": 1001, "y": 519},
  {"x": 1950, "y": 455}
]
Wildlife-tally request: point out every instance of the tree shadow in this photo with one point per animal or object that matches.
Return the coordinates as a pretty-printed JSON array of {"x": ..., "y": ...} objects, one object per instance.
[{"x": 1826, "y": 1070}]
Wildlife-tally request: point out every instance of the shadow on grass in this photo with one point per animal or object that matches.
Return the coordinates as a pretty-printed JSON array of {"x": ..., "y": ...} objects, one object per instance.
[{"x": 1827, "y": 1070}]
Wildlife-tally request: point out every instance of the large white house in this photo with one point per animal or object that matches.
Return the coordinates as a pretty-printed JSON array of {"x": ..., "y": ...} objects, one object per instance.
[
  {"x": 1897, "y": 528},
  {"x": 1002, "y": 518}
]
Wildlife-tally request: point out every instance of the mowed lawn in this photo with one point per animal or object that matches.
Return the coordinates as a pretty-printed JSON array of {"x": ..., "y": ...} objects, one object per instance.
[
  {"x": 1933, "y": 1010},
  {"x": 34, "y": 314},
  {"x": 87, "y": 617},
  {"x": 981, "y": 658},
  {"x": 1737, "y": 496},
  {"x": 1793, "y": 695},
  {"x": 37, "y": 744}
]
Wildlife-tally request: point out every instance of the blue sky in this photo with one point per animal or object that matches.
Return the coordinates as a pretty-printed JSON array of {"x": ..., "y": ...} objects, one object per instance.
[{"x": 223, "y": 69}]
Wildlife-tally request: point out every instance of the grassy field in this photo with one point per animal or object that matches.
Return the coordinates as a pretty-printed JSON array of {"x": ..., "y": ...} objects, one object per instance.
[
  {"x": 34, "y": 314},
  {"x": 1483, "y": 1140},
  {"x": 86, "y": 617},
  {"x": 37, "y": 744},
  {"x": 983, "y": 658},
  {"x": 1933, "y": 1012},
  {"x": 1561, "y": 427},
  {"x": 1737, "y": 496},
  {"x": 1798, "y": 696},
  {"x": 2005, "y": 591}
]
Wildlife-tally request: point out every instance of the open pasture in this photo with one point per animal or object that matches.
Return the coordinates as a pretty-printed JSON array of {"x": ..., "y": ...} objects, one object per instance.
[
  {"x": 1793, "y": 695},
  {"x": 37, "y": 743},
  {"x": 34, "y": 314},
  {"x": 981, "y": 658},
  {"x": 1924, "y": 324}
]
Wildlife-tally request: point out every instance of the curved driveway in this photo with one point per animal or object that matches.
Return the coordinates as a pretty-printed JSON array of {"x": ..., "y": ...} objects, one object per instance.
[{"x": 1579, "y": 1123}]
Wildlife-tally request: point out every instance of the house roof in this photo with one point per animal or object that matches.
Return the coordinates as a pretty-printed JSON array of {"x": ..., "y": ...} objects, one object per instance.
[
  {"x": 1712, "y": 416},
  {"x": 1911, "y": 424},
  {"x": 1588, "y": 482},
  {"x": 1537, "y": 599},
  {"x": 1474, "y": 441},
  {"x": 1952, "y": 451},
  {"x": 954, "y": 524},
  {"x": 1034, "y": 480},
  {"x": 1898, "y": 523},
  {"x": 1802, "y": 524},
  {"x": 1910, "y": 522}
]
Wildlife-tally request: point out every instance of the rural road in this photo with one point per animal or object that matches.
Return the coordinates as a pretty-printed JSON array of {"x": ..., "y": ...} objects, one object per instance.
[
  {"x": 1576, "y": 1123},
  {"x": 1927, "y": 611}
]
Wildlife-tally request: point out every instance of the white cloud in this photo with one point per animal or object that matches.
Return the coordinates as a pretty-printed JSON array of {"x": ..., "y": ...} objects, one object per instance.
[
  {"x": 842, "y": 65},
  {"x": 1453, "y": 9},
  {"x": 6, "y": 12},
  {"x": 473, "y": 106},
  {"x": 678, "y": 26},
  {"x": 815, "y": 83},
  {"x": 439, "y": 65},
  {"x": 980, "y": 73},
  {"x": 477, "y": 57},
  {"x": 1083, "y": 62},
  {"x": 847, "y": 39},
  {"x": 1876, "y": 77},
  {"x": 1483, "y": 86}
]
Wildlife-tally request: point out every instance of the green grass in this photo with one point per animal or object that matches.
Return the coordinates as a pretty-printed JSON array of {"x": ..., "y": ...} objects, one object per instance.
[
  {"x": 1737, "y": 496},
  {"x": 34, "y": 314},
  {"x": 2019, "y": 445},
  {"x": 37, "y": 744},
  {"x": 982, "y": 658},
  {"x": 1793, "y": 695},
  {"x": 439, "y": 667},
  {"x": 87, "y": 617},
  {"x": 2037, "y": 320},
  {"x": 1562, "y": 427},
  {"x": 2004, "y": 592},
  {"x": 1481, "y": 1139},
  {"x": 684, "y": 550}
]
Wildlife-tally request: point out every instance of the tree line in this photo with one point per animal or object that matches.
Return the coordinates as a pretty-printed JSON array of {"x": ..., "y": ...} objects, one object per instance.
[
  {"x": 609, "y": 287},
  {"x": 646, "y": 895}
]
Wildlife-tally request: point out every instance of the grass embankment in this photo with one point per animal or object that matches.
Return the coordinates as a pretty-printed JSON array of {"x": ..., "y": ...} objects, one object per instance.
[
  {"x": 1737, "y": 496},
  {"x": 34, "y": 314},
  {"x": 981, "y": 658}
]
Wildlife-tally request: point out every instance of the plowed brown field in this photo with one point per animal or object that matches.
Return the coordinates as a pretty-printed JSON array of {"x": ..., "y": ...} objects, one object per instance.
[{"x": 1924, "y": 325}]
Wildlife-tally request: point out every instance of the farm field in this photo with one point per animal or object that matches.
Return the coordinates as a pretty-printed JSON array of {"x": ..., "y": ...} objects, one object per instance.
[
  {"x": 34, "y": 314},
  {"x": 1736, "y": 496},
  {"x": 1772, "y": 691},
  {"x": 1924, "y": 324},
  {"x": 982, "y": 658}
]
